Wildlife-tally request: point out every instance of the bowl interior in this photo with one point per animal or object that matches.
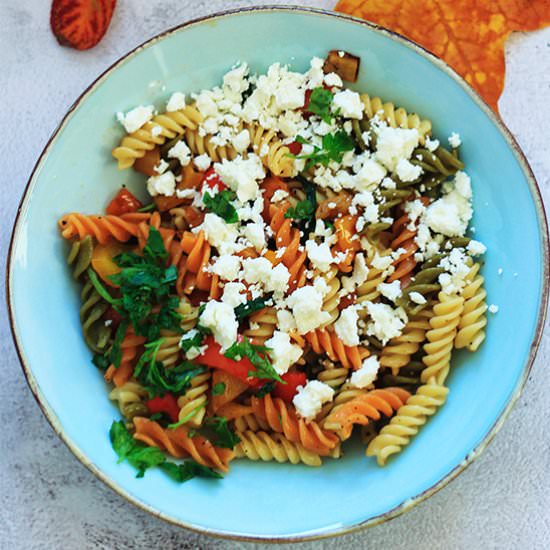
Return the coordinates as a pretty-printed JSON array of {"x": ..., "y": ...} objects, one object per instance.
[{"x": 77, "y": 173}]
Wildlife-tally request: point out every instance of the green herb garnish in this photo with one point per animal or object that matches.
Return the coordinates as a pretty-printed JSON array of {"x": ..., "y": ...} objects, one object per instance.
[
  {"x": 216, "y": 429},
  {"x": 268, "y": 387},
  {"x": 244, "y": 310},
  {"x": 303, "y": 210},
  {"x": 220, "y": 204},
  {"x": 257, "y": 355},
  {"x": 333, "y": 148},
  {"x": 320, "y": 102},
  {"x": 193, "y": 339},
  {"x": 157, "y": 379},
  {"x": 142, "y": 457},
  {"x": 218, "y": 389}
]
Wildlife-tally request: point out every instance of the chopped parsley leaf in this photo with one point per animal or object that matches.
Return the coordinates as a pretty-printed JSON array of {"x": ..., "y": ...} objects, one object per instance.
[
  {"x": 218, "y": 389},
  {"x": 220, "y": 204},
  {"x": 244, "y": 310},
  {"x": 257, "y": 355},
  {"x": 320, "y": 102}
]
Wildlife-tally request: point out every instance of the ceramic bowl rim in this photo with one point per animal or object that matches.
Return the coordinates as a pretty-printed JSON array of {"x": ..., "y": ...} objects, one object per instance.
[{"x": 408, "y": 503}]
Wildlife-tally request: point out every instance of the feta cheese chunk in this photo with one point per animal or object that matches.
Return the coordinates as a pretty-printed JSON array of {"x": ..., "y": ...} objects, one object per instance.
[
  {"x": 349, "y": 103},
  {"x": 220, "y": 319},
  {"x": 391, "y": 291},
  {"x": 454, "y": 140},
  {"x": 366, "y": 375},
  {"x": 406, "y": 171},
  {"x": 394, "y": 144},
  {"x": 346, "y": 326},
  {"x": 311, "y": 397},
  {"x": 449, "y": 215},
  {"x": 218, "y": 233},
  {"x": 133, "y": 120},
  {"x": 202, "y": 162},
  {"x": 370, "y": 175},
  {"x": 255, "y": 233},
  {"x": 417, "y": 298},
  {"x": 283, "y": 353},
  {"x": 319, "y": 255},
  {"x": 181, "y": 152},
  {"x": 475, "y": 248},
  {"x": 176, "y": 102},
  {"x": 242, "y": 175},
  {"x": 261, "y": 271},
  {"x": 386, "y": 323},
  {"x": 306, "y": 303},
  {"x": 164, "y": 184},
  {"x": 234, "y": 294},
  {"x": 227, "y": 267},
  {"x": 493, "y": 309}
]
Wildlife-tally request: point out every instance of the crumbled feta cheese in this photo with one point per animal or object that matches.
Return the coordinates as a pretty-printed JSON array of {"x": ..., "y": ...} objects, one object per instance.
[
  {"x": 218, "y": 233},
  {"x": 227, "y": 267},
  {"x": 417, "y": 298},
  {"x": 285, "y": 320},
  {"x": 388, "y": 183},
  {"x": 234, "y": 294},
  {"x": 176, "y": 102},
  {"x": 161, "y": 167},
  {"x": 279, "y": 195},
  {"x": 449, "y": 215},
  {"x": 261, "y": 271},
  {"x": 164, "y": 184},
  {"x": 493, "y": 308},
  {"x": 241, "y": 141},
  {"x": 220, "y": 319},
  {"x": 133, "y": 120},
  {"x": 319, "y": 255},
  {"x": 475, "y": 248},
  {"x": 381, "y": 262},
  {"x": 391, "y": 291},
  {"x": 415, "y": 209},
  {"x": 463, "y": 184},
  {"x": 349, "y": 103},
  {"x": 454, "y": 140},
  {"x": 406, "y": 171},
  {"x": 332, "y": 79},
  {"x": 358, "y": 276},
  {"x": 156, "y": 131},
  {"x": 386, "y": 323},
  {"x": 367, "y": 374},
  {"x": 181, "y": 152},
  {"x": 311, "y": 397},
  {"x": 346, "y": 326},
  {"x": 242, "y": 175},
  {"x": 431, "y": 144},
  {"x": 235, "y": 80},
  {"x": 306, "y": 303},
  {"x": 500, "y": 271},
  {"x": 254, "y": 232},
  {"x": 394, "y": 144},
  {"x": 202, "y": 162},
  {"x": 370, "y": 175},
  {"x": 283, "y": 353}
]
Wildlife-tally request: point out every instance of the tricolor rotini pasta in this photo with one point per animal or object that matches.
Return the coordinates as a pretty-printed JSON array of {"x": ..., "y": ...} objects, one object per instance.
[{"x": 297, "y": 270}]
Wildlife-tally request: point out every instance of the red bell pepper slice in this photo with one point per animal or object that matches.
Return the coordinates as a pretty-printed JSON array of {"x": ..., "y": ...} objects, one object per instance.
[
  {"x": 295, "y": 148},
  {"x": 289, "y": 389},
  {"x": 212, "y": 180},
  {"x": 212, "y": 357},
  {"x": 166, "y": 404},
  {"x": 123, "y": 203}
]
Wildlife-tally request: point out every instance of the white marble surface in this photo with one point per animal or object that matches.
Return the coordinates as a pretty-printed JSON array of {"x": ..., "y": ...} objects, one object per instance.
[{"x": 49, "y": 500}]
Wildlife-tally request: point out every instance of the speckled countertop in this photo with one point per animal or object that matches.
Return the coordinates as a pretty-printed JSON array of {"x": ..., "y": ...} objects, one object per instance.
[{"x": 49, "y": 500}]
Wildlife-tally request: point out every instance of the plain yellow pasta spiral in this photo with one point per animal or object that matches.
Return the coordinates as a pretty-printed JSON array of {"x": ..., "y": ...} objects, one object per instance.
[
  {"x": 169, "y": 348},
  {"x": 406, "y": 423},
  {"x": 331, "y": 299},
  {"x": 262, "y": 325},
  {"x": 396, "y": 117},
  {"x": 444, "y": 323},
  {"x": 155, "y": 132},
  {"x": 267, "y": 447},
  {"x": 250, "y": 422},
  {"x": 194, "y": 400},
  {"x": 203, "y": 144},
  {"x": 398, "y": 352},
  {"x": 269, "y": 147},
  {"x": 471, "y": 331}
]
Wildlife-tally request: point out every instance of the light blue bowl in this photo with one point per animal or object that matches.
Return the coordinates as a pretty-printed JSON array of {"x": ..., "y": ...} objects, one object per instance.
[{"x": 264, "y": 500}]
